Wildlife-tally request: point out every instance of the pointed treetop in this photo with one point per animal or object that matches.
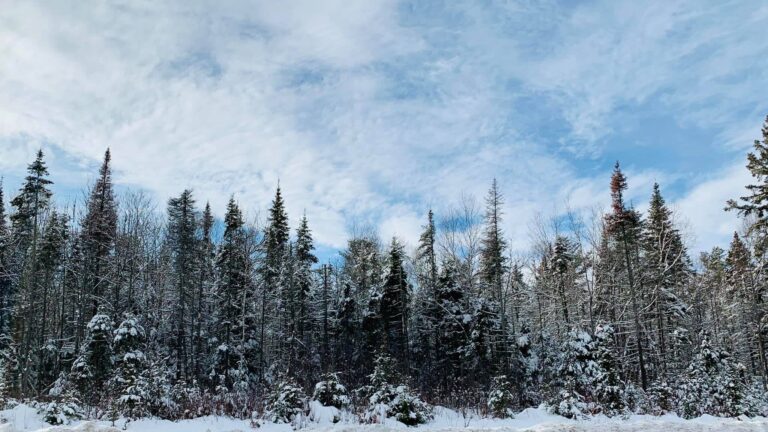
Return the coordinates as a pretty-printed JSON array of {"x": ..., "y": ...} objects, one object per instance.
[
  {"x": 618, "y": 186},
  {"x": 233, "y": 219},
  {"x": 304, "y": 242}
]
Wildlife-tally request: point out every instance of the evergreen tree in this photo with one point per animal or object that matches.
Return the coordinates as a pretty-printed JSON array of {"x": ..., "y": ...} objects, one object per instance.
[
  {"x": 740, "y": 300},
  {"x": 493, "y": 263},
  {"x": 755, "y": 205},
  {"x": 622, "y": 227},
  {"x": 98, "y": 234},
  {"x": 5, "y": 277},
  {"x": 238, "y": 350},
  {"x": 606, "y": 380},
  {"x": 303, "y": 282},
  {"x": 183, "y": 245},
  {"x": 667, "y": 269},
  {"x": 275, "y": 257},
  {"x": 493, "y": 259},
  {"x": 203, "y": 299},
  {"x": 452, "y": 327},
  {"x": 130, "y": 378},
  {"x": 394, "y": 306},
  {"x": 94, "y": 365},
  {"x": 30, "y": 206}
]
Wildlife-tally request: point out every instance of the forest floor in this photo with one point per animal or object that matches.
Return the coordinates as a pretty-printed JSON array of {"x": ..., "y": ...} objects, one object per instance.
[{"x": 25, "y": 419}]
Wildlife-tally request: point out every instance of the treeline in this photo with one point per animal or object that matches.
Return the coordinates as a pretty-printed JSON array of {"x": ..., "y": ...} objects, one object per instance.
[{"x": 120, "y": 309}]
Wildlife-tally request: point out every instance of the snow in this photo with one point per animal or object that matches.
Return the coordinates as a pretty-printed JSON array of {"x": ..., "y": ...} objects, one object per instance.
[{"x": 24, "y": 418}]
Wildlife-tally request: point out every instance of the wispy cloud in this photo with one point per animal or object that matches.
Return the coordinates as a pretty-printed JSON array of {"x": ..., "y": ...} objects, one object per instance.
[{"x": 376, "y": 110}]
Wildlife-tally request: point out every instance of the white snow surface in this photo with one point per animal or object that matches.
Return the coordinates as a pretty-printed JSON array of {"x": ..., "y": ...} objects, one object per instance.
[{"x": 24, "y": 418}]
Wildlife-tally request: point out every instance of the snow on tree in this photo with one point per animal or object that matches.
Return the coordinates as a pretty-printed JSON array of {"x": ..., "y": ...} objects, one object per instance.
[
  {"x": 388, "y": 397},
  {"x": 286, "y": 403},
  {"x": 712, "y": 385},
  {"x": 328, "y": 399},
  {"x": 130, "y": 379},
  {"x": 500, "y": 398},
  {"x": 93, "y": 367}
]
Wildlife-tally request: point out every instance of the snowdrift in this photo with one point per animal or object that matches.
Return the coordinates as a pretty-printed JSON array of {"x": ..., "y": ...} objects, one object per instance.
[{"x": 24, "y": 418}]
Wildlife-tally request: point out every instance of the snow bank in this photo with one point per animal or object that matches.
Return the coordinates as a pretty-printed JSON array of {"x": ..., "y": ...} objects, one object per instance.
[{"x": 25, "y": 419}]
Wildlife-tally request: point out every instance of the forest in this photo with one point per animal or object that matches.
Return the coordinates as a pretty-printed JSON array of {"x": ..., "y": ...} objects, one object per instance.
[{"x": 117, "y": 307}]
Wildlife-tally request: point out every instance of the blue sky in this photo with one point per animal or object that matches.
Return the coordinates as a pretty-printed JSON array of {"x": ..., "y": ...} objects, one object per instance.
[{"x": 371, "y": 112}]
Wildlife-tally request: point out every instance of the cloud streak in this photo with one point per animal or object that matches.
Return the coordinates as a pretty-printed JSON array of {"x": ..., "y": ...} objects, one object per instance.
[{"x": 372, "y": 111}]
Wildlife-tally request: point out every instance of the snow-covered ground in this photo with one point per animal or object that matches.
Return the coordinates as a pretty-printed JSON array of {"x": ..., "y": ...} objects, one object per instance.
[{"x": 25, "y": 419}]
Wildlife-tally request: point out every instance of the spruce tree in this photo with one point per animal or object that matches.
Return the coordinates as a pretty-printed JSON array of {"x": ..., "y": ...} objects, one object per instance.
[
  {"x": 666, "y": 272},
  {"x": 275, "y": 257},
  {"x": 493, "y": 269},
  {"x": 493, "y": 259},
  {"x": 623, "y": 227},
  {"x": 203, "y": 301},
  {"x": 98, "y": 234},
  {"x": 129, "y": 382},
  {"x": 394, "y": 307},
  {"x": 303, "y": 282},
  {"x": 91, "y": 370},
  {"x": 237, "y": 351},
  {"x": 30, "y": 206},
  {"x": 183, "y": 244},
  {"x": 755, "y": 205}
]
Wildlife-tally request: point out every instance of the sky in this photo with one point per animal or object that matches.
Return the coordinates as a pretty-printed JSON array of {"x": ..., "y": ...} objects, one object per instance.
[{"x": 371, "y": 112}]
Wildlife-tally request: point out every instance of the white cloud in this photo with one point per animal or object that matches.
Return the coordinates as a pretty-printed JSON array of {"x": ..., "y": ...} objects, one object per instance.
[
  {"x": 703, "y": 207},
  {"x": 360, "y": 110}
]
